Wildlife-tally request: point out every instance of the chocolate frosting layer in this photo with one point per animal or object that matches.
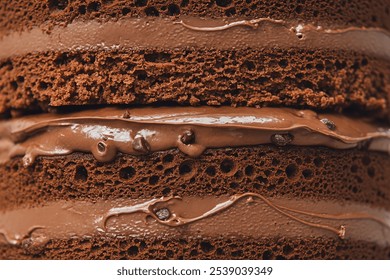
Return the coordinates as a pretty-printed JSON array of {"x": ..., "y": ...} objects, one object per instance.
[
  {"x": 104, "y": 132},
  {"x": 196, "y": 32},
  {"x": 248, "y": 214}
]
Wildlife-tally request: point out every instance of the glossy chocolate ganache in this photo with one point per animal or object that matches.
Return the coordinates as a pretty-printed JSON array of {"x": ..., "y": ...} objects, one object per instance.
[
  {"x": 247, "y": 214},
  {"x": 104, "y": 132}
]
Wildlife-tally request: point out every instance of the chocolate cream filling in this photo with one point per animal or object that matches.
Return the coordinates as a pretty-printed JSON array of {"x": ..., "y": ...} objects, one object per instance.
[
  {"x": 240, "y": 215},
  {"x": 105, "y": 132},
  {"x": 186, "y": 32}
]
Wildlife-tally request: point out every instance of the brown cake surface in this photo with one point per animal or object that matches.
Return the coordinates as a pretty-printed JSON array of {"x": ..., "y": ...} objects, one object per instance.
[
  {"x": 194, "y": 129},
  {"x": 79, "y": 176},
  {"x": 279, "y": 54}
]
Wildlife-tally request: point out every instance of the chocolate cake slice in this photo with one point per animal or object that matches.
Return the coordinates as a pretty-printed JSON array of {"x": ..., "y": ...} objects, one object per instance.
[{"x": 194, "y": 129}]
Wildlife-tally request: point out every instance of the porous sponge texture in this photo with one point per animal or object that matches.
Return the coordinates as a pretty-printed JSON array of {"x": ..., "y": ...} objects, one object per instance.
[
  {"x": 295, "y": 172},
  {"x": 278, "y": 248},
  {"x": 317, "y": 79}
]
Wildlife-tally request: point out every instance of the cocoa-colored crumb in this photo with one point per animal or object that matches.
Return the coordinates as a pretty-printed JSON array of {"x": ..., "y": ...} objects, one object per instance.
[
  {"x": 190, "y": 248},
  {"x": 316, "y": 79},
  {"x": 296, "y": 172}
]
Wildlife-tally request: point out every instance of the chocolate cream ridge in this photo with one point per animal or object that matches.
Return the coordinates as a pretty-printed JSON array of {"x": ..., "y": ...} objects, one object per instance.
[
  {"x": 246, "y": 214},
  {"x": 186, "y": 32},
  {"x": 136, "y": 131}
]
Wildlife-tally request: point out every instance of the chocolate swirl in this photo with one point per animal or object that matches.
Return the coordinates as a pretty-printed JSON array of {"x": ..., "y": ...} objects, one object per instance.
[{"x": 175, "y": 220}]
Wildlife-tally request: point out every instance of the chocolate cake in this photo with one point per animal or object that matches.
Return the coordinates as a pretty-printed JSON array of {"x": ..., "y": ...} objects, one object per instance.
[{"x": 223, "y": 129}]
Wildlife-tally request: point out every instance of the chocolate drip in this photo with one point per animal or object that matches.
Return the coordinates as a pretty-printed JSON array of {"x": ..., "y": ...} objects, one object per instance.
[
  {"x": 105, "y": 132},
  {"x": 18, "y": 238}
]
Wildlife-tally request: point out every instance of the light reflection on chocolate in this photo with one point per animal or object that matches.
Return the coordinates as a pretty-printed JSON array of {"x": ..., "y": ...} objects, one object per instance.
[
  {"x": 254, "y": 23},
  {"x": 329, "y": 124},
  {"x": 175, "y": 219},
  {"x": 161, "y": 128},
  {"x": 248, "y": 214},
  {"x": 188, "y": 137},
  {"x": 141, "y": 145},
  {"x": 282, "y": 139}
]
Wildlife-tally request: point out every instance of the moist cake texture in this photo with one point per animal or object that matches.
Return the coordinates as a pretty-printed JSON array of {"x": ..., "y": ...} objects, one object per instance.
[
  {"x": 297, "y": 56},
  {"x": 194, "y": 129}
]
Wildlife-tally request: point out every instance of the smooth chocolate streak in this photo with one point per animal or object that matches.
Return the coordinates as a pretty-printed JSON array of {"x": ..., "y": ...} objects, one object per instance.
[
  {"x": 248, "y": 214},
  {"x": 104, "y": 132},
  {"x": 139, "y": 33}
]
